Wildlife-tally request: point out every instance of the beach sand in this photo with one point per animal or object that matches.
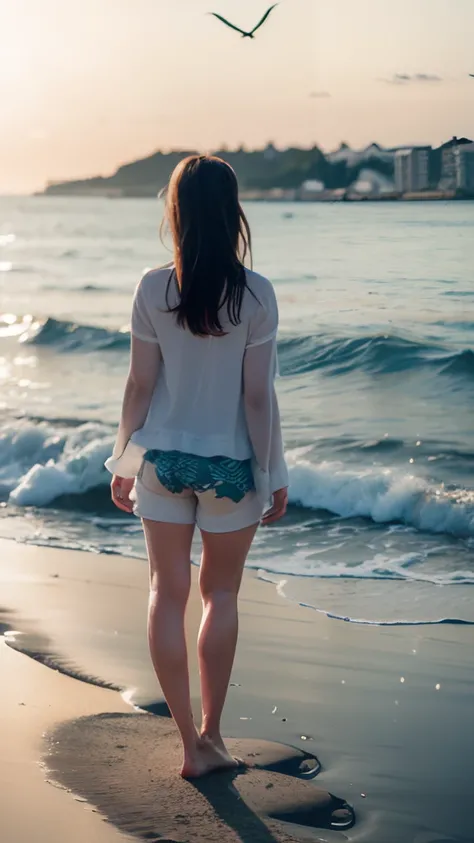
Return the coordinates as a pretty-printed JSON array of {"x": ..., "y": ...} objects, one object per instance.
[
  {"x": 34, "y": 699},
  {"x": 388, "y": 713}
]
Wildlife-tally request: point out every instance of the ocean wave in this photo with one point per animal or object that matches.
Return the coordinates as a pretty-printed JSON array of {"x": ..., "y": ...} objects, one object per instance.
[
  {"x": 406, "y": 568},
  {"x": 458, "y": 364},
  {"x": 372, "y": 354},
  {"x": 95, "y": 288},
  {"x": 382, "y": 494},
  {"x": 337, "y": 616},
  {"x": 63, "y": 335},
  {"x": 365, "y": 622},
  {"x": 80, "y": 288},
  {"x": 41, "y": 463},
  {"x": 9, "y": 266},
  {"x": 376, "y": 354}
]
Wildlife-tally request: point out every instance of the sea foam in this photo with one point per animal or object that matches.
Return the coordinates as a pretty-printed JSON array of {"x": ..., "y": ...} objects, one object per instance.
[
  {"x": 40, "y": 463},
  {"x": 382, "y": 494}
]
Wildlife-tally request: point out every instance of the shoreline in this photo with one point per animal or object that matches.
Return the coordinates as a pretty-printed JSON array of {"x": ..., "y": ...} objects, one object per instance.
[
  {"x": 34, "y": 699},
  {"x": 364, "y": 700},
  {"x": 328, "y": 197}
]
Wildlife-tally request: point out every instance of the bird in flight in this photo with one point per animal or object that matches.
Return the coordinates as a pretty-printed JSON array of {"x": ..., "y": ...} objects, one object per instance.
[
  {"x": 244, "y": 34},
  {"x": 471, "y": 75}
]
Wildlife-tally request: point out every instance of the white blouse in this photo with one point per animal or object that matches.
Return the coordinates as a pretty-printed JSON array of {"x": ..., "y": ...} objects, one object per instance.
[{"x": 197, "y": 405}]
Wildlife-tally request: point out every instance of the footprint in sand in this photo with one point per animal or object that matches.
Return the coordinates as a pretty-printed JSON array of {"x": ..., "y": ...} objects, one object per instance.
[{"x": 254, "y": 804}]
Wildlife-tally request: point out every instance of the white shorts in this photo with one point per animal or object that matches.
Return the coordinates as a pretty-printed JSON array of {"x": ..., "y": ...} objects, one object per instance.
[{"x": 212, "y": 514}]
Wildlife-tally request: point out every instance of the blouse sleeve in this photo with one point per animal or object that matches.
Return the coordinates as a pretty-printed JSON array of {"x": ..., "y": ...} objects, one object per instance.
[
  {"x": 142, "y": 325},
  {"x": 264, "y": 322},
  {"x": 260, "y": 369},
  {"x": 263, "y": 420}
]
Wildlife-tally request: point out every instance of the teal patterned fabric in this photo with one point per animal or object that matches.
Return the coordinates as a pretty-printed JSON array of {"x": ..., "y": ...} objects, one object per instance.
[{"x": 177, "y": 471}]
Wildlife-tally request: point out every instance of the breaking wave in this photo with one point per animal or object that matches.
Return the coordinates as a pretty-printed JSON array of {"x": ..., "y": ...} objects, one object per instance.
[
  {"x": 376, "y": 354},
  {"x": 42, "y": 462}
]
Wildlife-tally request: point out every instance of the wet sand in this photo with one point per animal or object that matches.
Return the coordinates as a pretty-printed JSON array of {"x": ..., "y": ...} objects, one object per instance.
[
  {"x": 33, "y": 700},
  {"x": 388, "y": 712}
]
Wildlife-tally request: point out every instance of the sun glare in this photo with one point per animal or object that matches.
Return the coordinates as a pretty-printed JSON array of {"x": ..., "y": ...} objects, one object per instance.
[{"x": 16, "y": 62}]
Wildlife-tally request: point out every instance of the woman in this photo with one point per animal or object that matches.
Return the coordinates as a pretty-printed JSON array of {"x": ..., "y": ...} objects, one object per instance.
[{"x": 199, "y": 441}]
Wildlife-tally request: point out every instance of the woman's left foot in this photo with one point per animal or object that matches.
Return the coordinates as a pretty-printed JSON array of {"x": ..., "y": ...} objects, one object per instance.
[
  {"x": 216, "y": 749},
  {"x": 210, "y": 758}
]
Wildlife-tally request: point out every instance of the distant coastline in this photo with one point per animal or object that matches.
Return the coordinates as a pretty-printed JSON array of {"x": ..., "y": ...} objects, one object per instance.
[
  {"x": 275, "y": 196},
  {"x": 297, "y": 175}
]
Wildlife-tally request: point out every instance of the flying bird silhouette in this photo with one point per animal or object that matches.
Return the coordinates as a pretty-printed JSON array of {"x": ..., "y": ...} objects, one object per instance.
[
  {"x": 471, "y": 75},
  {"x": 244, "y": 34}
]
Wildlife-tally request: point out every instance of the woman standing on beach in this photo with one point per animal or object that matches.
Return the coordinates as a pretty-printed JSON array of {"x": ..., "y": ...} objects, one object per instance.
[{"x": 199, "y": 441}]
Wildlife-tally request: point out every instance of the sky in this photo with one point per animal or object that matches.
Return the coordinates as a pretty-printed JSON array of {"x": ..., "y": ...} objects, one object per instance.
[{"x": 86, "y": 85}]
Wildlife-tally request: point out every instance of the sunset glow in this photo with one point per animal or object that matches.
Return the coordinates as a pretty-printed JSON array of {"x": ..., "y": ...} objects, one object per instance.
[{"x": 85, "y": 86}]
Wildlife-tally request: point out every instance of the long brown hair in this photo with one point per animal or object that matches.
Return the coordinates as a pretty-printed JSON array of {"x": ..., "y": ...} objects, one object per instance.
[{"x": 211, "y": 239}]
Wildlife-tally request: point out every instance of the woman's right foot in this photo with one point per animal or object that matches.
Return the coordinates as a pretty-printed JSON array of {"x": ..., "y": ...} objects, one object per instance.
[{"x": 209, "y": 757}]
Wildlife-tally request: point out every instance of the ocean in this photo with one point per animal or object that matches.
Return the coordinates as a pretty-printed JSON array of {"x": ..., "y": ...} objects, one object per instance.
[{"x": 376, "y": 354}]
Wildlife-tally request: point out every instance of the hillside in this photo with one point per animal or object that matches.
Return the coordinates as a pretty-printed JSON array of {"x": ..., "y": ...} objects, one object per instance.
[{"x": 264, "y": 169}]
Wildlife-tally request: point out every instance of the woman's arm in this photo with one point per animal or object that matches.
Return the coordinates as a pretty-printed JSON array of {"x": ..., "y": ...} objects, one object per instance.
[
  {"x": 145, "y": 362},
  {"x": 277, "y": 465},
  {"x": 263, "y": 424},
  {"x": 258, "y": 399}
]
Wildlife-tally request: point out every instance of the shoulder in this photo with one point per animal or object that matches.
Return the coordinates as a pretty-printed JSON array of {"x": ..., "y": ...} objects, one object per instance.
[
  {"x": 262, "y": 299},
  {"x": 262, "y": 290},
  {"x": 154, "y": 283},
  {"x": 259, "y": 284},
  {"x": 262, "y": 309}
]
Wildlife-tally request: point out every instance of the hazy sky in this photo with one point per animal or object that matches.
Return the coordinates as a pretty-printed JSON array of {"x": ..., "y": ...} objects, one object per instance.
[{"x": 88, "y": 84}]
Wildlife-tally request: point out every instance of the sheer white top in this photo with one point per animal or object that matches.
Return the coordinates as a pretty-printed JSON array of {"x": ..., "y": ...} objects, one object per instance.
[{"x": 198, "y": 401}]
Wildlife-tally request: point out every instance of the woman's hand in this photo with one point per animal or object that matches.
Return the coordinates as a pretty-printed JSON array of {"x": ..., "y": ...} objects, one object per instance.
[
  {"x": 278, "y": 508},
  {"x": 121, "y": 488}
]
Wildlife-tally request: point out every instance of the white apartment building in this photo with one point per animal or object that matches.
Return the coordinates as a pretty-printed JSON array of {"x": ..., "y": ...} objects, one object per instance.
[
  {"x": 412, "y": 169},
  {"x": 464, "y": 167}
]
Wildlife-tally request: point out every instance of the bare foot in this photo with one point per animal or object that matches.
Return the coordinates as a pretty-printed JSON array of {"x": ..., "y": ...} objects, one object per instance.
[
  {"x": 208, "y": 759},
  {"x": 214, "y": 739}
]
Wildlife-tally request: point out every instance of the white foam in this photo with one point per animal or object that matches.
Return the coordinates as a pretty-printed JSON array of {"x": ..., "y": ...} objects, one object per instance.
[
  {"x": 403, "y": 568},
  {"x": 39, "y": 463},
  {"x": 382, "y": 494},
  {"x": 281, "y": 584}
]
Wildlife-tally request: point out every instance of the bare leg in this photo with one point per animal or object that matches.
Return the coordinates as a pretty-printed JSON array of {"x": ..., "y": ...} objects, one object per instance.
[
  {"x": 222, "y": 564},
  {"x": 169, "y": 552}
]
